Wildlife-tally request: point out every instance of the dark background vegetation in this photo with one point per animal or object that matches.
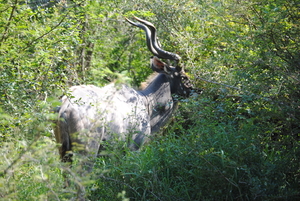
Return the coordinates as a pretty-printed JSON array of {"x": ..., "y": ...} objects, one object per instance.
[{"x": 239, "y": 140}]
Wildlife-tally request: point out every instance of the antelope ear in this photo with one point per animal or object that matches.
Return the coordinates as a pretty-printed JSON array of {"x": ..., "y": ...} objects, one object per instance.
[{"x": 159, "y": 66}]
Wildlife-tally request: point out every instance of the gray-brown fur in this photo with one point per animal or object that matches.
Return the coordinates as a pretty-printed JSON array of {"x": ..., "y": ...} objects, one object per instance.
[{"x": 90, "y": 115}]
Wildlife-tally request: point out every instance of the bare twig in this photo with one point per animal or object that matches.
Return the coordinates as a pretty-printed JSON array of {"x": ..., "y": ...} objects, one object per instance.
[
  {"x": 220, "y": 172},
  {"x": 225, "y": 85},
  {"x": 236, "y": 88},
  {"x": 9, "y": 22},
  {"x": 25, "y": 150},
  {"x": 48, "y": 32},
  {"x": 120, "y": 182}
]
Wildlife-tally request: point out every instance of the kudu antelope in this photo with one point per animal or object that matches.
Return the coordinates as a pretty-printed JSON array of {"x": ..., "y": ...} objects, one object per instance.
[{"x": 90, "y": 115}]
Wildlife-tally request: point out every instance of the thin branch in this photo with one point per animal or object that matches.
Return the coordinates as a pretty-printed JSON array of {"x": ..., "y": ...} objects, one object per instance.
[
  {"x": 221, "y": 173},
  {"x": 225, "y": 85},
  {"x": 48, "y": 32},
  {"x": 25, "y": 150},
  {"x": 9, "y": 22},
  {"x": 236, "y": 88},
  {"x": 120, "y": 182}
]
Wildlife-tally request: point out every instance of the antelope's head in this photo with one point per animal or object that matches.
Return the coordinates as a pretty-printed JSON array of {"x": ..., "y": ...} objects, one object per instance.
[{"x": 179, "y": 81}]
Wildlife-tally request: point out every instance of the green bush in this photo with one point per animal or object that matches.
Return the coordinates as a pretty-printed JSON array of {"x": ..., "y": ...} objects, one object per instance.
[{"x": 239, "y": 140}]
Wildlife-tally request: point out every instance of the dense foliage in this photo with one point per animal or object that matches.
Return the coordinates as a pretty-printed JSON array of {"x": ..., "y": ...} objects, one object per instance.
[{"x": 239, "y": 140}]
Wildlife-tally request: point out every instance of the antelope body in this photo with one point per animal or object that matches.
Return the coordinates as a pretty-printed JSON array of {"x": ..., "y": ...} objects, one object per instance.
[{"x": 90, "y": 115}]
